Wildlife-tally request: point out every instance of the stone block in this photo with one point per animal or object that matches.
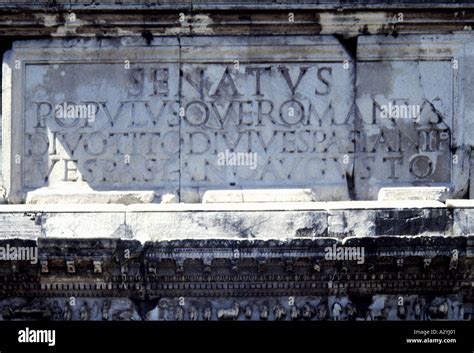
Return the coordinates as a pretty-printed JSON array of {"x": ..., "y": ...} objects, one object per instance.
[
  {"x": 409, "y": 118},
  {"x": 63, "y": 221},
  {"x": 411, "y": 222},
  {"x": 463, "y": 216},
  {"x": 261, "y": 113},
  {"x": 85, "y": 225},
  {"x": 351, "y": 223},
  {"x": 91, "y": 114},
  {"x": 383, "y": 218},
  {"x": 48, "y": 196},
  {"x": 164, "y": 117},
  {"x": 23, "y": 225},
  {"x": 272, "y": 195},
  {"x": 414, "y": 193},
  {"x": 168, "y": 225}
]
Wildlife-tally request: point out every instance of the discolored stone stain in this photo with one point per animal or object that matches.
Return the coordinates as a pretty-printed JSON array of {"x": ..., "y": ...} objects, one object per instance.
[
  {"x": 378, "y": 82},
  {"x": 238, "y": 225},
  {"x": 364, "y": 30},
  {"x": 78, "y": 82},
  {"x": 148, "y": 36},
  {"x": 412, "y": 222}
]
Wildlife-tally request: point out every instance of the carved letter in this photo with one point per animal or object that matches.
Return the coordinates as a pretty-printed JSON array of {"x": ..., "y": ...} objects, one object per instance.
[
  {"x": 257, "y": 71},
  {"x": 286, "y": 74},
  {"x": 226, "y": 81},
  {"x": 323, "y": 80}
]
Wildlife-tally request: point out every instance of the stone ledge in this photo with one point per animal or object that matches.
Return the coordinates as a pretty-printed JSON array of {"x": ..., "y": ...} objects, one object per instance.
[
  {"x": 335, "y": 193},
  {"x": 100, "y": 197},
  {"x": 38, "y": 21},
  {"x": 193, "y": 5},
  {"x": 255, "y": 221},
  {"x": 184, "y": 207},
  {"x": 63, "y": 208},
  {"x": 285, "y": 206},
  {"x": 460, "y": 203},
  {"x": 265, "y": 273},
  {"x": 413, "y": 193}
]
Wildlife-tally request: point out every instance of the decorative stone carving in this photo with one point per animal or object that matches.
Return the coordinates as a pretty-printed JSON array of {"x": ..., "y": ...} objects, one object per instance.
[
  {"x": 322, "y": 311},
  {"x": 105, "y": 310},
  {"x": 229, "y": 314},
  {"x": 336, "y": 311},
  {"x": 351, "y": 311},
  {"x": 179, "y": 313},
  {"x": 279, "y": 312},
  {"x": 294, "y": 313},
  {"x": 67, "y": 312},
  {"x": 193, "y": 313},
  {"x": 248, "y": 312},
  {"x": 438, "y": 310},
  {"x": 207, "y": 314},
  {"x": 418, "y": 308},
  {"x": 56, "y": 311},
  {"x": 125, "y": 314},
  {"x": 308, "y": 311},
  {"x": 263, "y": 312},
  {"x": 176, "y": 291},
  {"x": 401, "y": 312},
  {"x": 84, "y": 312}
]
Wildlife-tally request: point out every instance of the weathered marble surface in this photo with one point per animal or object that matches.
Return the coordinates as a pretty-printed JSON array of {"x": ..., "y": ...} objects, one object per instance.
[
  {"x": 341, "y": 220},
  {"x": 186, "y": 121},
  {"x": 161, "y": 116},
  {"x": 411, "y": 278},
  {"x": 118, "y": 18},
  {"x": 162, "y": 111},
  {"x": 224, "y": 4},
  {"x": 315, "y": 308},
  {"x": 425, "y": 72},
  {"x": 414, "y": 193}
]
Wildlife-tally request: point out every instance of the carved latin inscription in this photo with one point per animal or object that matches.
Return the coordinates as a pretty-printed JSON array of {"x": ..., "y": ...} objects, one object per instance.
[{"x": 149, "y": 126}]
